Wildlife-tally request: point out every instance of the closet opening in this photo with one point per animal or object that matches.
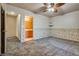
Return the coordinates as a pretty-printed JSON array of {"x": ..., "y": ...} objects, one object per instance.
[{"x": 28, "y": 28}]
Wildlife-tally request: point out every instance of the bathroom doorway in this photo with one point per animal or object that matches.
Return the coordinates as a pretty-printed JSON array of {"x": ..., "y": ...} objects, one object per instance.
[{"x": 28, "y": 27}]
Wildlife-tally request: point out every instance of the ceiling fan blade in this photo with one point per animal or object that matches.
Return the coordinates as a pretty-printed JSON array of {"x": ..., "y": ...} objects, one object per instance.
[
  {"x": 44, "y": 8},
  {"x": 41, "y": 9},
  {"x": 57, "y": 6}
]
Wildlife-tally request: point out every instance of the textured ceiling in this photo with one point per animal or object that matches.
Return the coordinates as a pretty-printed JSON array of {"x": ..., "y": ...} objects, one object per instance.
[{"x": 66, "y": 8}]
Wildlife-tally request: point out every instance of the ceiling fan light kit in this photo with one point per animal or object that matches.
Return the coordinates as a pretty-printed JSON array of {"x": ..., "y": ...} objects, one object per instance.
[{"x": 50, "y": 10}]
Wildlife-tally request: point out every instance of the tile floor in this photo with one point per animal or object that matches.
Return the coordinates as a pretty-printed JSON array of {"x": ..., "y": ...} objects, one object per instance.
[{"x": 42, "y": 47}]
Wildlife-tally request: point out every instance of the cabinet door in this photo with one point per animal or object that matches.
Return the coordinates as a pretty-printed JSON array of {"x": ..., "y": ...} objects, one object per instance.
[
  {"x": 28, "y": 23},
  {"x": 29, "y": 34}
]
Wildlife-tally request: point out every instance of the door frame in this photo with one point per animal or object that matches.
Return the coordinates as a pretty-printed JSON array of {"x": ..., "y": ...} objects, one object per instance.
[{"x": 2, "y": 30}]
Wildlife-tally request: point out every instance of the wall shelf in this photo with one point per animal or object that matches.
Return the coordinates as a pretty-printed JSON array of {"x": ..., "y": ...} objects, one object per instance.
[{"x": 28, "y": 29}]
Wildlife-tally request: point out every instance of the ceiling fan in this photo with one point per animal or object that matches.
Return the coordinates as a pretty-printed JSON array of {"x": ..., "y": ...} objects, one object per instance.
[{"x": 50, "y": 7}]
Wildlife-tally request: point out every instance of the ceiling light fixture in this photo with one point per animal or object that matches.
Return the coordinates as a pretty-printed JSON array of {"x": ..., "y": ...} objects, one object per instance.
[
  {"x": 12, "y": 13},
  {"x": 50, "y": 9}
]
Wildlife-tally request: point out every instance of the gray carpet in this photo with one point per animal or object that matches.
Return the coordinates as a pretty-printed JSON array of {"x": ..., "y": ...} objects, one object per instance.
[{"x": 42, "y": 47}]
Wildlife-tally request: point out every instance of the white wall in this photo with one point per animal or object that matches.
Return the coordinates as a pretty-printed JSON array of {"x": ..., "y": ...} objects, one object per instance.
[
  {"x": 41, "y": 28},
  {"x": 66, "y": 26},
  {"x": 40, "y": 23},
  {"x": 66, "y": 21}
]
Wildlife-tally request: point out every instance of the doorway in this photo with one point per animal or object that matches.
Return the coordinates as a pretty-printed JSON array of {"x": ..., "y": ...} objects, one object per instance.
[
  {"x": 28, "y": 27},
  {"x": 11, "y": 26},
  {"x": 11, "y": 34}
]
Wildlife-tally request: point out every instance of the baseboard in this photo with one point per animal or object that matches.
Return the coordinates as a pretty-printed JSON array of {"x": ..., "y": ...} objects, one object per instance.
[
  {"x": 11, "y": 37},
  {"x": 34, "y": 39},
  {"x": 65, "y": 39},
  {"x": 43, "y": 37}
]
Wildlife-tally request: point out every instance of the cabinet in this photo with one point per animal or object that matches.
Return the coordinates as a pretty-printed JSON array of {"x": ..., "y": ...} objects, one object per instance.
[{"x": 28, "y": 27}]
